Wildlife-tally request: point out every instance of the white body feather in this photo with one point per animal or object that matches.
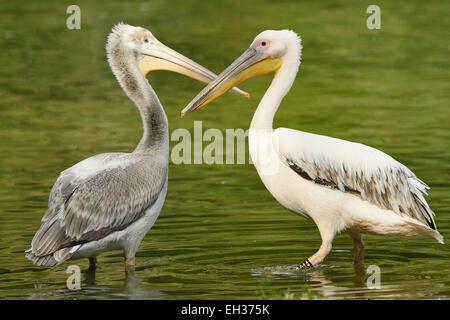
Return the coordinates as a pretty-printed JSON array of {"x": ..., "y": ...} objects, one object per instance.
[
  {"x": 333, "y": 210},
  {"x": 340, "y": 185}
]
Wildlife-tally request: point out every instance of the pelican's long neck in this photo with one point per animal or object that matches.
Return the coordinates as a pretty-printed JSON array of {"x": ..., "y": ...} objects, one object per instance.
[
  {"x": 280, "y": 86},
  {"x": 125, "y": 68}
]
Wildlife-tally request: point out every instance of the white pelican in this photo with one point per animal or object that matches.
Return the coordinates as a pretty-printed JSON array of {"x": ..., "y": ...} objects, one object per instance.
[
  {"x": 340, "y": 185},
  {"x": 110, "y": 201}
]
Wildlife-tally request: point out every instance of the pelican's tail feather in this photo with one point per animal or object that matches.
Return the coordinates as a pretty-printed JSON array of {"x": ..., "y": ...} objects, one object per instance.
[
  {"x": 427, "y": 231},
  {"x": 417, "y": 227},
  {"x": 438, "y": 237},
  {"x": 52, "y": 259},
  {"x": 433, "y": 233},
  {"x": 47, "y": 260}
]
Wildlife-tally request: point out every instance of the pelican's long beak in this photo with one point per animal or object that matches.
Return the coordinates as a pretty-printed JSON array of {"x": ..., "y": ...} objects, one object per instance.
[
  {"x": 250, "y": 64},
  {"x": 161, "y": 57}
]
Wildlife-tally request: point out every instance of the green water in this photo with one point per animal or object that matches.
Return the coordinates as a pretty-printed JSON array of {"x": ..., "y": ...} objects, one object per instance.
[{"x": 220, "y": 232}]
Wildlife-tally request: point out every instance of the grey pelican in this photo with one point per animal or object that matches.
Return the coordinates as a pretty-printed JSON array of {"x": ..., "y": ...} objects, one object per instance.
[
  {"x": 110, "y": 201},
  {"x": 339, "y": 185}
]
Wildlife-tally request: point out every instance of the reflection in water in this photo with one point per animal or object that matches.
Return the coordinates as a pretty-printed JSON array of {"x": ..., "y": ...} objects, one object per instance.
[
  {"x": 320, "y": 281},
  {"x": 316, "y": 278},
  {"x": 91, "y": 290}
]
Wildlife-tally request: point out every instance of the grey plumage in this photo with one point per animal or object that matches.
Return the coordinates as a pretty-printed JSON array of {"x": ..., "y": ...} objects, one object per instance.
[
  {"x": 106, "y": 201},
  {"x": 109, "y": 192}
]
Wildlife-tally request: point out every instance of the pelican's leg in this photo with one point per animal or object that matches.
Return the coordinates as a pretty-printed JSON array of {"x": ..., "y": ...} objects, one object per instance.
[
  {"x": 129, "y": 266},
  {"x": 89, "y": 274},
  {"x": 358, "y": 247},
  {"x": 321, "y": 254},
  {"x": 93, "y": 263},
  {"x": 318, "y": 257},
  {"x": 129, "y": 253}
]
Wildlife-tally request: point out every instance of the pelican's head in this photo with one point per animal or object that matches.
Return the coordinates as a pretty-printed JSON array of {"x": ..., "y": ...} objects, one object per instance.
[
  {"x": 269, "y": 52},
  {"x": 129, "y": 42},
  {"x": 276, "y": 43}
]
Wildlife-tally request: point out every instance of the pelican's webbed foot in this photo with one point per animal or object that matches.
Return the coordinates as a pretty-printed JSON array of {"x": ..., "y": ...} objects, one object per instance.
[{"x": 305, "y": 265}]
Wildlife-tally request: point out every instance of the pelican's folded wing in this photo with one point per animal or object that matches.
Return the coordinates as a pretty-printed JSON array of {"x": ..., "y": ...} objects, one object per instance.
[
  {"x": 356, "y": 168},
  {"x": 71, "y": 178},
  {"x": 104, "y": 201}
]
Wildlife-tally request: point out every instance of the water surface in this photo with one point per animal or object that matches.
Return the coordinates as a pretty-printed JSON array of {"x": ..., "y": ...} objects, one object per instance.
[{"x": 221, "y": 235}]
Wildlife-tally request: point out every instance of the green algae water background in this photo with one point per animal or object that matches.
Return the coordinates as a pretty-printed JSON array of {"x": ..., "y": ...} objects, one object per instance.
[{"x": 221, "y": 235}]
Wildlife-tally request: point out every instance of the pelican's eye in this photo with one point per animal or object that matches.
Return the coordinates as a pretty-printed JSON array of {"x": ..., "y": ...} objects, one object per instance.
[
  {"x": 264, "y": 44},
  {"x": 146, "y": 40}
]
